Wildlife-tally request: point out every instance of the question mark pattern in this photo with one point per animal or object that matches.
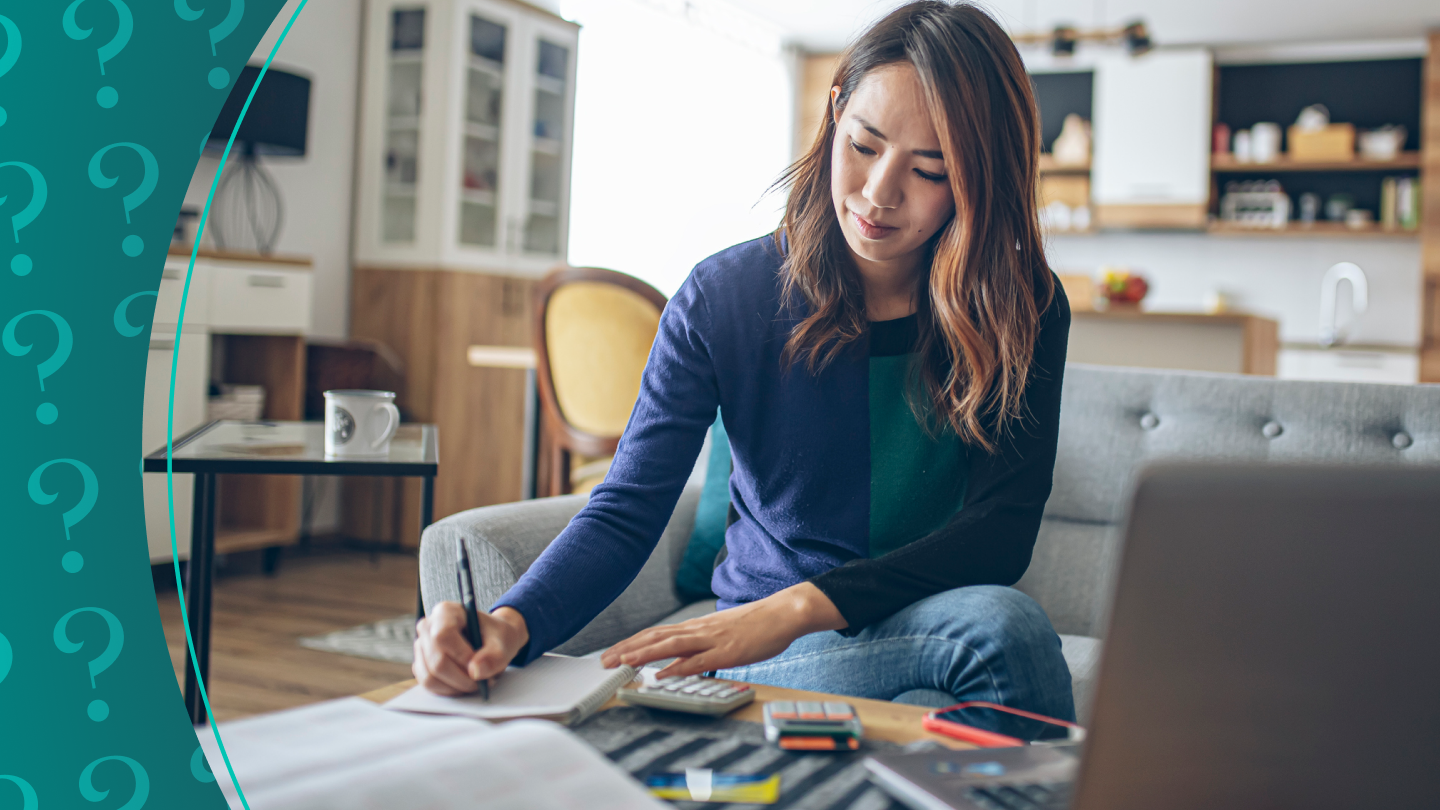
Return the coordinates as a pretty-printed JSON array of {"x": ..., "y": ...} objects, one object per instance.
[
  {"x": 106, "y": 96},
  {"x": 142, "y": 783},
  {"x": 219, "y": 78},
  {"x": 97, "y": 710},
  {"x": 200, "y": 767},
  {"x": 7, "y": 657},
  {"x": 28, "y": 799},
  {"x": 131, "y": 245},
  {"x": 11, "y": 55},
  {"x": 46, "y": 413},
  {"x": 122, "y": 324},
  {"x": 21, "y": 264},
  {"x": 58, "y": 179},
  {"x": 72, "y": 561}
]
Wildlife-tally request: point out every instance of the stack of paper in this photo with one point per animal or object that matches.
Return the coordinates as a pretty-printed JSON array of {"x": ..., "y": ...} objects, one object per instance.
[{"x": 352, "y": 754}]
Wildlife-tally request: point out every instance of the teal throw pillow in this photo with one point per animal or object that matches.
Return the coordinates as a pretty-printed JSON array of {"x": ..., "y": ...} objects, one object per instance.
[{"x": 692, "y": 582}]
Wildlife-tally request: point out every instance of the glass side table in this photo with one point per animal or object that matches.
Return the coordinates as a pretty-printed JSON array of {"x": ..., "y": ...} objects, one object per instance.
[{"x": 269, "y": 448}]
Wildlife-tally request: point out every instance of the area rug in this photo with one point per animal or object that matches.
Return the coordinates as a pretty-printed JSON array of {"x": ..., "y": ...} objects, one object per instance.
[{"x": 385, "y": 640}]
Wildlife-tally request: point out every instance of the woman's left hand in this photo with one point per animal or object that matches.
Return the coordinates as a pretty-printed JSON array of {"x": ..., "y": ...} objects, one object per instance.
[{"x": 731, "y": 638}]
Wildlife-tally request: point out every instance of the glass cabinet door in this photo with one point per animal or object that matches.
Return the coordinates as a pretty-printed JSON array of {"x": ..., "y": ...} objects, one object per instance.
[
  {"x": 548, "y": 148},
  {"x": 484, "y": 105},
  {"x": 402, "y": 124}
]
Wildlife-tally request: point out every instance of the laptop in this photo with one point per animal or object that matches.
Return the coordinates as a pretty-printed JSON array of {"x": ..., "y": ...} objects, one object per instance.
[{"x": 1274, "y": 642}]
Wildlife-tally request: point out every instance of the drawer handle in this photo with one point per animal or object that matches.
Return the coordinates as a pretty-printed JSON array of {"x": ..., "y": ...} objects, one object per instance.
[
  {"x": 171, "y": 273},
  {"x": 162, "y": 345},
  {"x": 265, "y": 281}
]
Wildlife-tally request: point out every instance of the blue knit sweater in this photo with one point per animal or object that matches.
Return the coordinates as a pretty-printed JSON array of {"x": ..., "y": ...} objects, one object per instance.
[{"x": 800, "y": 446}]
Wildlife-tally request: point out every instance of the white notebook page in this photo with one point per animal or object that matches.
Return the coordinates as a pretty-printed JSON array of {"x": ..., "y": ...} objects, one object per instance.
[{"x": 551, "y": 686}]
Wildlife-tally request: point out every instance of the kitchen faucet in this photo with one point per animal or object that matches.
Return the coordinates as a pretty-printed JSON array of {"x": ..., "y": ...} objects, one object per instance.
[{"x": 1330, "y": 334}]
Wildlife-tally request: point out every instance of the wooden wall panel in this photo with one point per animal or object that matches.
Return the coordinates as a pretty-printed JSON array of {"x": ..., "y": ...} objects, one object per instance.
[
  {"x": 429, "y": 318},
  {"x": 1430, "y": 215},
  {"x": 812, "y": 98},
  {"x": 480, "y": 455}
]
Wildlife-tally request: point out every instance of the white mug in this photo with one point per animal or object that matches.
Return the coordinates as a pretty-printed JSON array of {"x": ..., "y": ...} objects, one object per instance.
[
  {"x": 1265, "y": 142},
  {"x": 360, "y": 424}
]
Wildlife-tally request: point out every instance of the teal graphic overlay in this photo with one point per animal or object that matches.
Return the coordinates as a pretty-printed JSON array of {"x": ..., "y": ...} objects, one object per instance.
[
  {"x": 199, "y": 768},
  {"x": 89, "y": 493},
  {"x": 91, "y": 715},
  {"x": 132, "y": 245},
  {"x": 106, "y": 96},
  {"x": 96, "y": 710},
  {"x": 122, "y": 323},
  {"x": 46, "y": 413},
  {"x": 28, "y": 799},
  {"x": 11, "y": 54},
  {"x": 137, "y": 798},
  {"x": 219, "y": 78},
  {"x": 21, "y": 264}
]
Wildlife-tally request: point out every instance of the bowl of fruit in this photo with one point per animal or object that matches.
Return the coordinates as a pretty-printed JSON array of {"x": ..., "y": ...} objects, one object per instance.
[{"x": 1123, "y": 289}]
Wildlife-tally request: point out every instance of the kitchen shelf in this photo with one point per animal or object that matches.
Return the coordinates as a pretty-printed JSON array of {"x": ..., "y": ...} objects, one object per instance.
[
  {"x": 1229, "y": 165},
  {"x": 1319, "y": 229},
  {"x": 1049, "y": 166}
]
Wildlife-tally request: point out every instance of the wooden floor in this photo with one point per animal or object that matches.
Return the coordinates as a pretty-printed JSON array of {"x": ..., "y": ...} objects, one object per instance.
[{"x": 256, "y": 662}]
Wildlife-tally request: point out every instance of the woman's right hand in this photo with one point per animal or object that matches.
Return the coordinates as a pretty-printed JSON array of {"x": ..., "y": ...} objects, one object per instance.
[{"x": 446, "y": 664}]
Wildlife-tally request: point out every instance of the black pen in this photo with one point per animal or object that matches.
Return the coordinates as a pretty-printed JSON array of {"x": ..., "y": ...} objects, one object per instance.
[{"x": 467, "y": 597}]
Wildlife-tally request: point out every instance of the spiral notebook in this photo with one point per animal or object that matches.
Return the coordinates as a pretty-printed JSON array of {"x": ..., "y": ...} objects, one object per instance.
[{"x": 553, "y": 687}]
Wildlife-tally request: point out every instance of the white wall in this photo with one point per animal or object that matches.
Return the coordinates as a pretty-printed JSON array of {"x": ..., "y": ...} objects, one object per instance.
[
  {"x": 324, "y": 44},
  {"x": 682, "y": 120}
]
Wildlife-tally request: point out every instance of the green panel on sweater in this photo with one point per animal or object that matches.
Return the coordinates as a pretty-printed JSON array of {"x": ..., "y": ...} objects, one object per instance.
[{"x": 917, "y": 481}]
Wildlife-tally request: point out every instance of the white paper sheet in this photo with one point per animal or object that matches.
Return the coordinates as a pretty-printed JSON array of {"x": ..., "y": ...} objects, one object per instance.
[{"x": 353, "y": 755}]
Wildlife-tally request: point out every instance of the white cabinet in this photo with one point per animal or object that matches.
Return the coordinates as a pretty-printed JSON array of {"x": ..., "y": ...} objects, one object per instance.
[
  {"x": 1351, "y": 365},
  {"x": 258, "y": 299},
  {"x": 1151, "y": 165},
  {"x": 265, "y": 300},
  {"x": 466, "y": 123},
  {"x": 191, "y": 378}
]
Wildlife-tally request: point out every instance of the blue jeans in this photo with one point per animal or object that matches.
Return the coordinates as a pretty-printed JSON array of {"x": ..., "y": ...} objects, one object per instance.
[{"x": 984, "y": 642}]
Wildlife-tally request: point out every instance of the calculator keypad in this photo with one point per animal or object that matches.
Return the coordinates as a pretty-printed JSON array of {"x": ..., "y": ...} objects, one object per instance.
[{"x": 695, "y": 693}]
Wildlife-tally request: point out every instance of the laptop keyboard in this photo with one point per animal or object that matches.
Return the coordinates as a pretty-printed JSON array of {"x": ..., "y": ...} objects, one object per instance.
[{"x": 1034, "y": 796}]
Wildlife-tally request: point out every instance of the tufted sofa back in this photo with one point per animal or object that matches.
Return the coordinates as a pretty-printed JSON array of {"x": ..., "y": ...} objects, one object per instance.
[{"x": 1113, "y": 421}]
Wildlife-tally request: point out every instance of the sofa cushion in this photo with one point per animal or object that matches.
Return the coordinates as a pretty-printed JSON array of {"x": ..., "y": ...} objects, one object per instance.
[
  {"x": 1115, "y": 420},
  {"x": 1082, "y": 655},
  {"x": 1070, "y": 572}
]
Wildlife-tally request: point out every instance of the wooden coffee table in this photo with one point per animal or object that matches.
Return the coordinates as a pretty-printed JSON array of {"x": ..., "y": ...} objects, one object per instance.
[{"x": 892, "y": 722}]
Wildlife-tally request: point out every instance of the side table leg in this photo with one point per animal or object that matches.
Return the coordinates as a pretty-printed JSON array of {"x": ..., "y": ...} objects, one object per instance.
[
  {"x": 427, "y": 516},
  {"x": 197, "y": 592}
]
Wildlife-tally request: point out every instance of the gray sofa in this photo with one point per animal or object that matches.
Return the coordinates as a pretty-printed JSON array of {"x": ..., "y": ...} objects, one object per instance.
[{"x": 1113, "y": 421}]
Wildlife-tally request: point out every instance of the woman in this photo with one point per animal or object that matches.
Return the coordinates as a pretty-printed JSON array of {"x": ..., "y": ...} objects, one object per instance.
[{"x": 888, "y": 367}]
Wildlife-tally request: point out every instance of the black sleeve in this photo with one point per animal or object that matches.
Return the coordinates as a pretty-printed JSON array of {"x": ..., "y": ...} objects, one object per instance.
[{"x": 989, "y": 541}]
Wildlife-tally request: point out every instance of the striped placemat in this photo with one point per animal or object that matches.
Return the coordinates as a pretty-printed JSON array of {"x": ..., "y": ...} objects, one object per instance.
[{"x": 646, "y": 742}]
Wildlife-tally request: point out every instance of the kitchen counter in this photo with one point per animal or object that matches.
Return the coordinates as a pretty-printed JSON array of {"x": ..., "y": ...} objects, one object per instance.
[{"x": 1236, "y": 343}]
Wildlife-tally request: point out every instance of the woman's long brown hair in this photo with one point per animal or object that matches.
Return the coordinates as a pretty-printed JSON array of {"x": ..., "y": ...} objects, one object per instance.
[{"x": 987, "y": 282}]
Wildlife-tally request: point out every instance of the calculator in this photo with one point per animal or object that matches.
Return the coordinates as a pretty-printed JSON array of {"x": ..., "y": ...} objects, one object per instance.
[
  {"x": 812, "y": 725},
  {"x": 695, "y": 694}
]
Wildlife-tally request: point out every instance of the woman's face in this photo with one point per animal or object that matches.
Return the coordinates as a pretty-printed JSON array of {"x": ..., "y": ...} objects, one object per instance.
[{"x": 887, "y": 177}]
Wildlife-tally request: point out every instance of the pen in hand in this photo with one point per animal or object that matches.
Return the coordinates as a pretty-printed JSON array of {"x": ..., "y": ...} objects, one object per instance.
[{"x": 467, "y": 598}]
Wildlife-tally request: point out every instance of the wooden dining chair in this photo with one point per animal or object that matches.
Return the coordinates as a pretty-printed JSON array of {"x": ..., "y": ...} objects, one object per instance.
[{"x": 593, "y": 331}]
